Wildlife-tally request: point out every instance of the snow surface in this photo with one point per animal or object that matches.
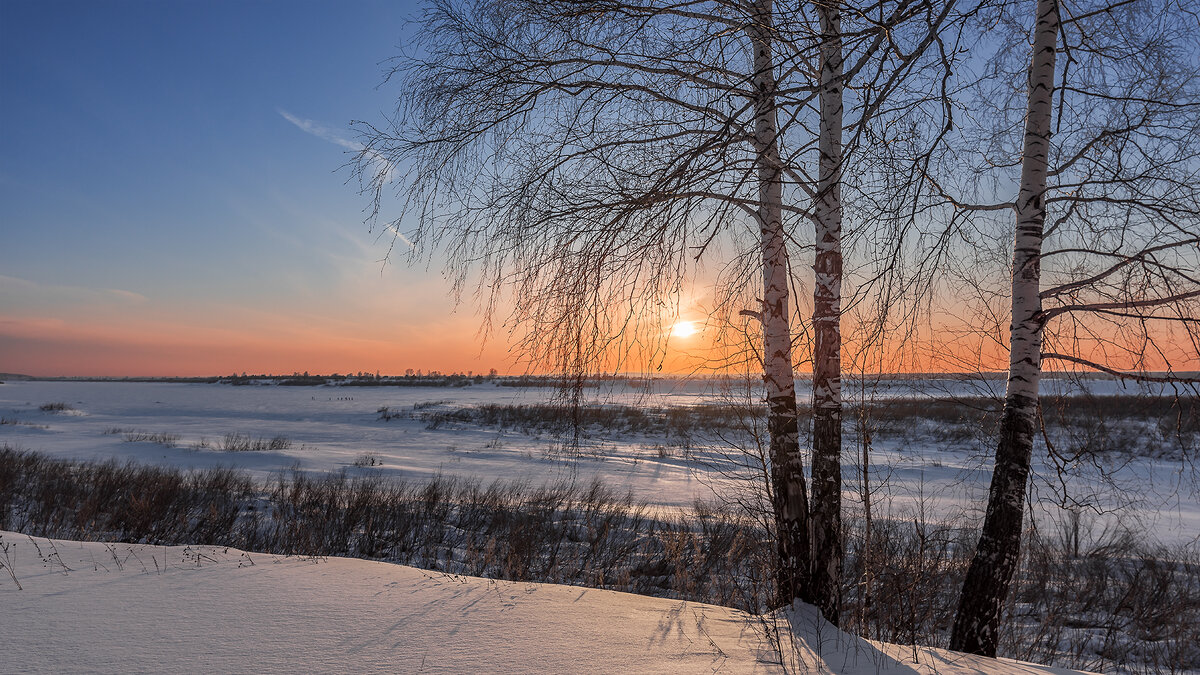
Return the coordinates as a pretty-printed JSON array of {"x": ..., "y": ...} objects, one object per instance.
[
  {"x": 128, "y": 608},
  {"x": 918, "y": 475}
]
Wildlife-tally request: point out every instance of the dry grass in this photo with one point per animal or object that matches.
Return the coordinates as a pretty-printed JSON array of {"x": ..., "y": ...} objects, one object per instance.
[
  {"x": 1082, "y": 425},
  {"x": 164, "y": 439},
  {"x": 239, "y": 442},
  {"x": 560, "y": 533}
]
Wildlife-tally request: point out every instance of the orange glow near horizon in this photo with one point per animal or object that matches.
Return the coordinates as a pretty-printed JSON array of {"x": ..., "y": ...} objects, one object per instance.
[
  {"x": 231, "y": 340},
  {"x": 42, "y": 347}
]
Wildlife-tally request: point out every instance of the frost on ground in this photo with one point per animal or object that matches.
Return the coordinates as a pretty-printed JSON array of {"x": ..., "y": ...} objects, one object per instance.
[{"x": 134, "y": 608}]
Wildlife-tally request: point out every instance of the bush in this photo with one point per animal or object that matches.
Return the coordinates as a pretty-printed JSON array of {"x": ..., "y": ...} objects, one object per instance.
[
  {"x": 55, "y": 407},
  {"x": 368, "y": 459}
]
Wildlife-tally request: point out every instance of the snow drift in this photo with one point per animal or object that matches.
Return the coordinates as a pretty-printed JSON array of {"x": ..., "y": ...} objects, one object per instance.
[{"x": 95, "y": 607}]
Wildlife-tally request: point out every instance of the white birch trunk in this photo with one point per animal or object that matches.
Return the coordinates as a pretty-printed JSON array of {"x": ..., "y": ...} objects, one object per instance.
[
  {"x": 977, "y": 623},
  {"x": 789, "y": 496},
  {"x": 827, "y": 313}
]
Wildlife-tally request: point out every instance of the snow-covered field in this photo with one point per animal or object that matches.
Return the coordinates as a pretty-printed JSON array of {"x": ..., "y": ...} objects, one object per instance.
[
  {"x": 134, "y": 608},
  {"x": 330, "y": 428},
  {"x": 916, "y": 473},
  {"x": 128, "y": 608}
]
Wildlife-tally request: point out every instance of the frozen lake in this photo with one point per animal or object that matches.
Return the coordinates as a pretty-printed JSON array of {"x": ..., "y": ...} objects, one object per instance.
[{"x": 918, "y": 473}]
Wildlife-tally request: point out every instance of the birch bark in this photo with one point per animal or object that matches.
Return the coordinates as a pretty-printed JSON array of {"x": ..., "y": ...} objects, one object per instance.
[
  {"x": 827, "y": 312},
  {"x": 789, "y": 494},
  {"x": 976, "y": 625}
]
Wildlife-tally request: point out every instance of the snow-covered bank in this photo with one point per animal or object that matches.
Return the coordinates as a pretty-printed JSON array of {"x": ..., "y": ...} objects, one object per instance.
[{"x": 93, "y": 607}]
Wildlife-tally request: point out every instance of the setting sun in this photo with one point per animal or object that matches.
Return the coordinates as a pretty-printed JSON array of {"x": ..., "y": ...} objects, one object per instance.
[{"x": 684, "y": 329}]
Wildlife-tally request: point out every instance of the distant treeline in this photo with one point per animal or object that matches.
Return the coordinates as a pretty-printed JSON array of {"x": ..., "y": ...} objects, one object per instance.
[
  {"x": 416, "y": 378},
  {"x": 186, "y": 380},
  {"x": 411, "y": 379}
]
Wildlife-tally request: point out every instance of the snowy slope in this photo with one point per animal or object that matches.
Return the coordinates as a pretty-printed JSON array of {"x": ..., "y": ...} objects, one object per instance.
[{"x": 92, "y": 607}]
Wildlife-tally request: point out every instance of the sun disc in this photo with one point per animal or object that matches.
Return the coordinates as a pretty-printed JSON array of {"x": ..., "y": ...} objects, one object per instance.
[{"x": 684, "y": 329}]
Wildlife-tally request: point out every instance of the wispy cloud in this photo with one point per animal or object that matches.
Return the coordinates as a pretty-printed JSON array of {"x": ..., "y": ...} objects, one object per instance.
[
  {"x": 127, "y": 295},
  {"x": 15, "y": 290},
  {"x": 321, "y": 131},
  {"x": 381, "y": 165},
  {"x": 400, "y": 236}
]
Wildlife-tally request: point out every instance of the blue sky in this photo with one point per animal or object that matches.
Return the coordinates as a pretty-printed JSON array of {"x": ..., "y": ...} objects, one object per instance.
[{"x": 170, "y": 198}]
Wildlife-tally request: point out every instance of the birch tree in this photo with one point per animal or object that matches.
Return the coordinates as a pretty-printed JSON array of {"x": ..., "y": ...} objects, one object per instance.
[
  {"x": 880, "y": 69},
  {"x": 1106, "y": 243},
  {"x": 827, "y": 316},
  {"x": 587, "y": 156},
  {"x": 977, "y": 621}
]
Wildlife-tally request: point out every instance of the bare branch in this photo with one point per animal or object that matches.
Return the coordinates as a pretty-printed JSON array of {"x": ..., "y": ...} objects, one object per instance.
[{"x": 1125, "y": 375}]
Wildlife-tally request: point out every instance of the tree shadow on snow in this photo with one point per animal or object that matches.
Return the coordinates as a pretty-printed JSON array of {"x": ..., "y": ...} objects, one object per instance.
[{"x": 802, "y": 641}]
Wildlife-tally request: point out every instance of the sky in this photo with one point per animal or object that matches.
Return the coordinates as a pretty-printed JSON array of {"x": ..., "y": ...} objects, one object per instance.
[
  {"x": 174, "y": 202},
  {"x": 171, "y": 201}
]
